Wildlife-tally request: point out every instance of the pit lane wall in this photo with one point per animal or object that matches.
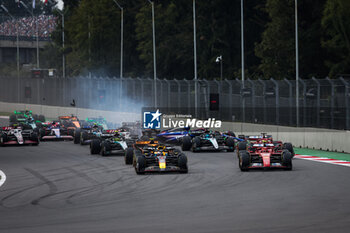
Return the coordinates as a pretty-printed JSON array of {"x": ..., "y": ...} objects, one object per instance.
[
  {"x": 82, "y": 113},
  {"x": 323, "y": 139}
]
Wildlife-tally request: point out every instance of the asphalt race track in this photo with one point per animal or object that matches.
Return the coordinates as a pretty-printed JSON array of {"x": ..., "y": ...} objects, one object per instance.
[{"x": 60, "y": 187}]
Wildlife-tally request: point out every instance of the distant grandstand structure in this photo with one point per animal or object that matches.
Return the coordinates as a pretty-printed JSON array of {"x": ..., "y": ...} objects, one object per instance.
[{"x": 27, "y": 37}]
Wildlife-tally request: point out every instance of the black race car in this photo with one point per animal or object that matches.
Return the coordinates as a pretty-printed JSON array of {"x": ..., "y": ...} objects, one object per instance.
[
  {"x": 209, "y": 141},
  {"x": 107, "y": 144}
]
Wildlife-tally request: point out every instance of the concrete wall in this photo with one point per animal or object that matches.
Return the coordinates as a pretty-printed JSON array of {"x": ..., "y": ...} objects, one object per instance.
[
  {"x": 82, "y": 113},
  {"x": 323, "y": 139}
]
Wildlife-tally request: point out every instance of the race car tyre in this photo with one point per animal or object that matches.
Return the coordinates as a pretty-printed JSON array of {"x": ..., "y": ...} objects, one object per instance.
[
  {"x": 95, "y": 146},
  {"x": 242, "y": 145},
  {"x": 42, "y": 133},
  {"x": 83, "y": 137},
  {"x": 137, "y": 154},
  {"x": 244, "y": 160},
  {"x": 34, "y": 137},
  {"x": 145, "y": 138},
  {"x": 35, "y": 117},
  {"x": 196, "y": 144},
  {"x": 129, "y": 154},
  {"x": 3, "y": 139},
  {"x": 289, "y": 147},
  {"x": 140, "y": 165},
  {"x": 287, "y": 159},
  {"x": 186, "y": 143},
  {"x": 70, "y": 132},
  {"x": 13, "y": 119},
  {"x": 182, "y": 163},
  {"x": 231, "y": 133},
  {"x": 77, "y": 133},
  {"x": 41, "y": 118},
  {"x": 105, "y": 148},
  {"x": 230, "y": 142}
]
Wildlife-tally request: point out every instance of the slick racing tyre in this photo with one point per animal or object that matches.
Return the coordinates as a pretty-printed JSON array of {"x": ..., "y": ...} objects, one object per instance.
[
  {"x": 83, "y": 137},
  {"x": 182, "y": 163},
  {"x": 105, "y": 148},
  {"x": 288, "y": 146},
  {"x": 230, "y": 142},
  {"x": 244, "y": 160},
  {"x": 196, "y": 144},
  {"x": 242, "y": 145},
  {"x": 140, "y": 165},
  {"x": 287, "y": 160},
  {"x": 231, "y": 133},
  {"x": 137, "y": 154},
  {"x": 186, "y": 143},
  {"x": 95, "y": 146},
  {"x": 42, "y": 133},
  {"x": 3, "y": 139},
  {"x": 77, "y": 133},
  {"x": 35, "y": 137},
  {"x": 129, "y": 154}
]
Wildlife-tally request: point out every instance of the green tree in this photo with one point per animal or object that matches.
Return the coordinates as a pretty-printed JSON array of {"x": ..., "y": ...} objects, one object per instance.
[
  {"x": 174, "y": 39},
  {"x": 276, "y": 49},
  {"x": 336, "y": 23}
]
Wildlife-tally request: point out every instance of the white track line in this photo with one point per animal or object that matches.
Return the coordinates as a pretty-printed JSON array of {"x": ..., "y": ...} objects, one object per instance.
[
  {"x": 4, "y": 117},
  {"x": 323, "y": 160},
  {"x": 2, "y": 178}
]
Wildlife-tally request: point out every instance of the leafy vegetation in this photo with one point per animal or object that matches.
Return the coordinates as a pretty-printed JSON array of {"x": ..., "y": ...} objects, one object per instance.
[{"x": 93, "y": 38}]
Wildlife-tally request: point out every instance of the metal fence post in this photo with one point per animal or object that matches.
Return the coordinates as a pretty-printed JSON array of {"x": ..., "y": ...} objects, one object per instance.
[
  {"x": 290, "y": 100},
  {"x": 253, "y": 98},
  {"x": 277, "y": 103},
  {"x": 264, "y": 97},
  {"x": 347, "y": 107},
  {"x": 169, "y": 93},
  {"x": 229, "y": 98},
  {"x": 188, "y": 94},
  {"x": 332, "y": 102},
  {"x": 304, "y": 101},
  {"x": 141, "y": 82},
  {"x": 178, "y": 93},
  {"x": 318, "y": 100}
]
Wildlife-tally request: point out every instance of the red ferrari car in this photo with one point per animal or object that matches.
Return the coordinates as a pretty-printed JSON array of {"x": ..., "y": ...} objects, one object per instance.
[{"x": 263, "y": 152}]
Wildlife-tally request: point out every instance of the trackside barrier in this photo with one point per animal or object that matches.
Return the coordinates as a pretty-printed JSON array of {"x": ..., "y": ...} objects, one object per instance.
[
  {"x": 82, "y": 113},
  {"x": 323, "y": 139}
]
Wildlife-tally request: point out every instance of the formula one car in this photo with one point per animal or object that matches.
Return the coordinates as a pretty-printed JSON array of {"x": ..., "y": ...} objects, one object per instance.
[
  {"x": 26, "y": 119},
  {"x": 71, "y": 123},
  {"x": 209, "y": 141},
  {"x": 18, "y": 136},
  {"x": 54, "y": 131},
  {"x": 90, "y": 129},
  {"x": 174, "y": 135},
  {"x": 107, "y": 144},
  {"x": 134, "y": 128},
  {"x": 263, "y": 152},
  {"x": 150, "y": 156}
]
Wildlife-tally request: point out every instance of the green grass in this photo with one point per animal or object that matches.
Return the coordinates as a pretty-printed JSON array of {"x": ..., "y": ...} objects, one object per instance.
[{"x": 321, "y": 153}]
